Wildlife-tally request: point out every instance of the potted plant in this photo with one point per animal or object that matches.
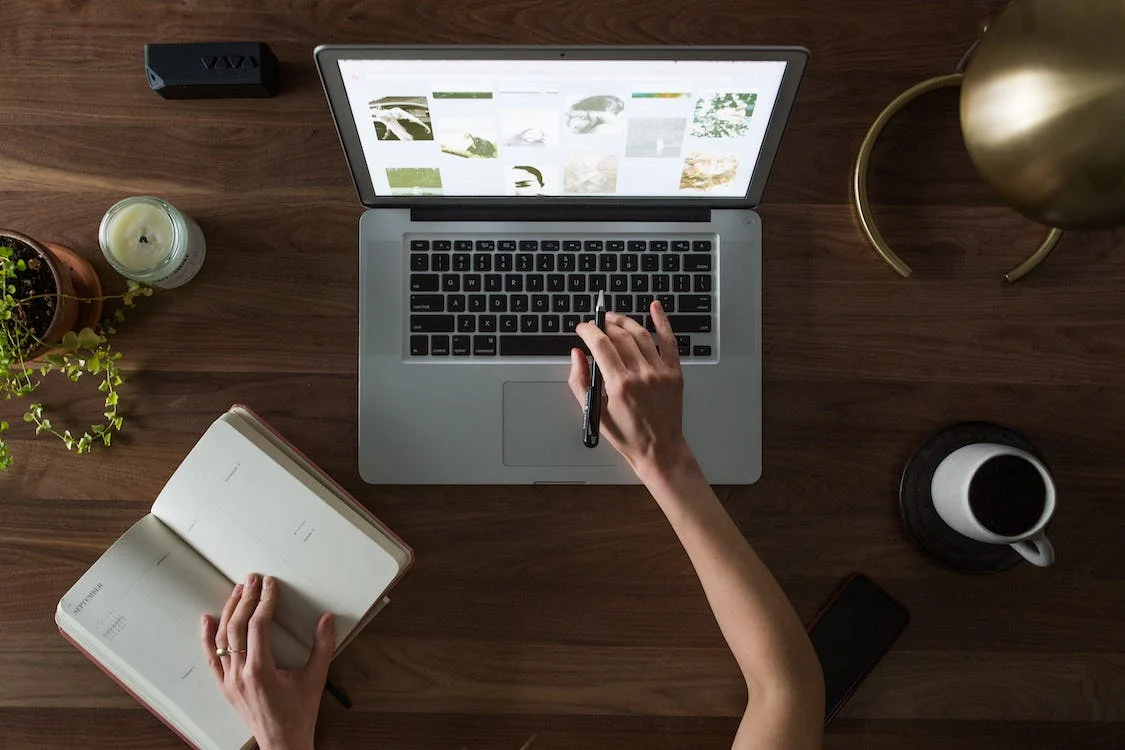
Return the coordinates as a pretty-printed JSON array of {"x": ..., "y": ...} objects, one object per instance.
[{"x": 50, "y": 310}]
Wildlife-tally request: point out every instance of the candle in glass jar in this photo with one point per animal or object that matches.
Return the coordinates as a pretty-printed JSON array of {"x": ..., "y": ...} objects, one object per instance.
[{"x": 149, "y": 240}]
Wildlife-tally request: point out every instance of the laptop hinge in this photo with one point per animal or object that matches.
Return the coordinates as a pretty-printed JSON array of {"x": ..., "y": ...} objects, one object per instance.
[{"x": 561, "y": 213}]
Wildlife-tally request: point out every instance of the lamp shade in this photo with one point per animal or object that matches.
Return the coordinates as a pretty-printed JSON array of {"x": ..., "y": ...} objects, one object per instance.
[{"x": 1043, "y": 110}]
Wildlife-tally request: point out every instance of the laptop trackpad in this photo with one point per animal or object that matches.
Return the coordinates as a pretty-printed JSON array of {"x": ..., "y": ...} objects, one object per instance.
[{"x": 543, "y": 427}]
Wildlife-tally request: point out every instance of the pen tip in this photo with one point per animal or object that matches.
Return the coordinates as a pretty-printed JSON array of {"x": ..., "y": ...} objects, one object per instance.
[{"x": 601, "y": 298}]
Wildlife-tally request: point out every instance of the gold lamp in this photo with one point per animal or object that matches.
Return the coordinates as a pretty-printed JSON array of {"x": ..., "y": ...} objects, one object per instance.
[{"x": 1042, "y": 116}]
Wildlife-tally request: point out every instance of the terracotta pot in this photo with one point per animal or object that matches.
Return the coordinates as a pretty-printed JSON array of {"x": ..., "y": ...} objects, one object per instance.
[{"x": 67, "y": 308}]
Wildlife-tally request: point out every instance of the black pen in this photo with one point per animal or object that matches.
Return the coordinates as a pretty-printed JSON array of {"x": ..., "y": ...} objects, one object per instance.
[{"x": 592, "y": 414}]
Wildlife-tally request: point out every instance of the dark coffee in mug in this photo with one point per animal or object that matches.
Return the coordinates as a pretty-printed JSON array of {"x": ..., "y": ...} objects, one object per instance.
[{"x": 1007, "y": 495}]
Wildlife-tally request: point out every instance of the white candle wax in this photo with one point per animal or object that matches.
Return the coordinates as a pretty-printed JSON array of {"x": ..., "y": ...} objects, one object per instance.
[{"x": 140, "y": 236}]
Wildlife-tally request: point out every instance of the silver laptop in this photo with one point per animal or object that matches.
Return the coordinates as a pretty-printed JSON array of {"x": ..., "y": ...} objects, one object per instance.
[{"x": 506, "y": 186}]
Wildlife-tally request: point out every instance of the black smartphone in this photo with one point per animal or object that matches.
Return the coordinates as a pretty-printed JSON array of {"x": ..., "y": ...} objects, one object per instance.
[{"x": 851, "y": 633}]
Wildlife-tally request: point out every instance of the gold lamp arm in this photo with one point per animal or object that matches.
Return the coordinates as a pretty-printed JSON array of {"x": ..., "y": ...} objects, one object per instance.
[{"x": 863, "y": 203}]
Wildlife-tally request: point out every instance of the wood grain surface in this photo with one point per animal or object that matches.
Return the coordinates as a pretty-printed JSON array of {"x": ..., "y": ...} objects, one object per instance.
[{"x": 572, "y": 614}]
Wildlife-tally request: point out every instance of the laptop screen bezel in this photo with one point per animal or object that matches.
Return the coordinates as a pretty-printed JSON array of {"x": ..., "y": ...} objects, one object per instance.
[{"x": 328, "y": 57}]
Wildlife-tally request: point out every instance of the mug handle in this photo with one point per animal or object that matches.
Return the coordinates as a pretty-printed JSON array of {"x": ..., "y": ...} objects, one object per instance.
[{"x": 1037, "y": 550}]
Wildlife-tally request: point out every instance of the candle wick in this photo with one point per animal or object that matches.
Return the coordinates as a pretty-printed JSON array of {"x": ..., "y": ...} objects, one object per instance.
[{"x": 144, "y": 239}]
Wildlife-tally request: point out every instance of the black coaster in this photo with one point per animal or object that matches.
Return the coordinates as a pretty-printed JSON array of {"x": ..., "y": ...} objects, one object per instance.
[{"x": 923, "y": 524}]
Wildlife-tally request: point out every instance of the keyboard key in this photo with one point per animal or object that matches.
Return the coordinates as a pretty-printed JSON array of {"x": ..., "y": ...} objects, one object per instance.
[
  {"x": 597, "y": 282},
  {"x": 622, "y": 303},
  {"x": 681, "y": 282},
  {"x": 424, "y": 282},
  {"x": 637, "y": 246},
  {"x": 525, "y": 262},
  {"x": 471, "y": 282},
  {"x": 576, "y": 282},
  {"x": 630, "y": 262},
  {"x": 466, "y": 323},
  {"x": 482, "y": 263},
  {"x": 478, "y": 303},
  {"x": 701, "y": 350},
  {"x": 591, "y": 246},
  {"x": 670, "y": 263},
  {"x": 618, "y": 283},
  {"x": 419, "y": 346},
  {"x": 544, "y": 262},
  {"x": 568, "y": 262},
  {"x": 461, "y": 262},
  {"x": 529, "y": 246},
  {"x": 431, "y": 323},
  {"x": 650, "y": 262},
  {"x": 529, "y": 324},
  {"x": 558, "y": 345},
  {"x": 701, "y": 246},
  {"x": 683, "y": 345},
  {"x": 638, "y": 282},
  {"x": 615, "y": 246},
  {"x": 586, "y": 262},
  {"x": 556, "y": 282},
  {"x": 442, "y": 246},
  {"x": 497, "y": 303},
  {"x": 450, "y": 282},
  {"x": 702, "y": 284},
  {"x": 570, "y": 322},
  {"x": 668, "y": 302},
  {"x": 486, "y": 323},
  {"x": 493, "y": 282},
  {"x": 661, "y": 282},
  {"x": 697, "y": 263},
  {"x": 540, "y": 303},
  {"x": 583, "y": 303},
  {"x": 509, "y": 324},
  {"x": 681, "y": 246},
  {"x": 560, "y": 303},
  {"x": 513, "y": 283},
  {"x": 607, "y": 263},
  {"x": 463, "y": 246},
  {"x": 484, "y": 346},
  {"x": 439, "y": 346},
  {"x": 549, "y": 324},
  {"x": 485, "y": 246},
  {"x": 419, "y": 246},
  {"x": 419, "y": 262},
  {"x": 455, "y": 302},
  {"x": 507, "y": 246},
  {"x": 658, "y": 246},
  {"x": 644, "y": 301},
  {"x": 572, "y": 246},
  {"x": 460, "y": 346},
  {"x": 504, "y": 262},
  {"x": 549, "y": 246},
  {"x": 535, "y": 282},
  {"x": 691, "y": 303},
  {"x": 440, "y": 263},
  {"x": 427, "y": 303},
  {"x": 520, "y": 303},
  {"x": 690, "y": 323}
]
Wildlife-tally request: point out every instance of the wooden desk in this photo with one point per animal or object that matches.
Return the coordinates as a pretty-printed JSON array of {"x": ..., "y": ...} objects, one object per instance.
[{"x": 572, "y": 614}]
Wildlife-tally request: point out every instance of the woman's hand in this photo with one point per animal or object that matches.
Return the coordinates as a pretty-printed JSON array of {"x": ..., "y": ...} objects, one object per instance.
[
  {"x": 643, "y": 397},
  {"x": 279, "y": 705}
]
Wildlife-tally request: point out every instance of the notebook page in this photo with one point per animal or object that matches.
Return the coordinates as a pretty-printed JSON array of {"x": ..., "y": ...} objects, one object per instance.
[{"x": 250, "y": 508}]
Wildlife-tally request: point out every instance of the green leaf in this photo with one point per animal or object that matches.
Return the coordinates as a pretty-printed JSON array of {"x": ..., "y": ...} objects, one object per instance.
[
  {"x": 87, "y": 339},
  {"x": 111, "y": 399},
  {"x": 117, "y": 423},
  {"x": 69, "y": 340}
]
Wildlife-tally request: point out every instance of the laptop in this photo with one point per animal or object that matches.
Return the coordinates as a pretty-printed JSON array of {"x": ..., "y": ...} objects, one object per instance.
[{"x": 507, "y": 186}]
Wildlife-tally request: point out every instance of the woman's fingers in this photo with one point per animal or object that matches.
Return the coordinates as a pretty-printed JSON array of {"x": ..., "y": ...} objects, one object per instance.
[
  {"x": 665, "y": 337},
  {"x": 209, "y": 627},
  {"x": 259, "y": 649},
  {"x": 224, "y": 618},
  {"x": 641, "y": 337},
  {"x": 604, "y": 350},
  {"x": 579, "y": 379},
  {"x": 240, "y": 621}
]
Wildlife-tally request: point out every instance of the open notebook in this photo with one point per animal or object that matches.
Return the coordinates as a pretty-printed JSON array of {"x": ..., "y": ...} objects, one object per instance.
[{"x": 242, "y": 501}]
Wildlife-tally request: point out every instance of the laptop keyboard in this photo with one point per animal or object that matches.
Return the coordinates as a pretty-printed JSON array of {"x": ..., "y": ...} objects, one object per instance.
[{"x": 522, "y": 297}]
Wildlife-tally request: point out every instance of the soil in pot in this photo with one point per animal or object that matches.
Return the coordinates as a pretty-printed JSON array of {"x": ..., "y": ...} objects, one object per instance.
[{"x": 38, "y": 313}]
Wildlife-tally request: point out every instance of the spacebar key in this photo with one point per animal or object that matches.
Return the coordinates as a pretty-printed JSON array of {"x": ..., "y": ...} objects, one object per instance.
[{"x": 538, "y": 346}]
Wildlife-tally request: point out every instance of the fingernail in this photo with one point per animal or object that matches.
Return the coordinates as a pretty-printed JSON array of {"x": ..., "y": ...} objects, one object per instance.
[
  {"x": 237, "y": 590},
  {"x": 267, "y": 582},
  {"x": 250, "y": 579},
  {"x": 203, "y": 620},
  {"x": 659, "y": 306}
]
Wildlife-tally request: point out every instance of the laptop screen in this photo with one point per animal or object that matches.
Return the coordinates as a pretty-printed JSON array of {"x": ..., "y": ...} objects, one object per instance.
[{"x": 556, "y": 127}]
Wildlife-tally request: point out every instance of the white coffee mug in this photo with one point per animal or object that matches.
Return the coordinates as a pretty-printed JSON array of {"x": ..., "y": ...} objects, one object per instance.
[{"x": 989, "y": 492}]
